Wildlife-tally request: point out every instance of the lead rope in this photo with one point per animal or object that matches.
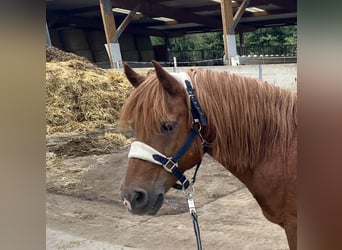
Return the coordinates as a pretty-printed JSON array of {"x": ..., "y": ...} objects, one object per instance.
[{"x": 191, "y": 204}]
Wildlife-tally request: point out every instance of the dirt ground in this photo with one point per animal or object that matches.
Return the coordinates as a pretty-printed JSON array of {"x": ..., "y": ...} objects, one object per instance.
[{"x": 83, "y": 210}]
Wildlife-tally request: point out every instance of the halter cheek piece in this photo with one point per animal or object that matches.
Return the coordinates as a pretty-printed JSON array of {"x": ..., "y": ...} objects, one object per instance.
[{"x": 143, "y": 151}]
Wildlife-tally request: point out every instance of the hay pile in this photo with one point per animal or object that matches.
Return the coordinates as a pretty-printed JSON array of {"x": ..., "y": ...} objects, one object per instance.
[
  {"x": 82, "y": 98},
  {"x": 56, "y": 55}
]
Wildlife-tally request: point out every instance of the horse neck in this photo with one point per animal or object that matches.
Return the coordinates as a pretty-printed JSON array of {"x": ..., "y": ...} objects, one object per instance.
[{"x": 248, "y": 120}]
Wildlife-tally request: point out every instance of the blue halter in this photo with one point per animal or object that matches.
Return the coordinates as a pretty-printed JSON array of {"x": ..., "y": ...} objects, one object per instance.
[{"x": 199, "y": 121}]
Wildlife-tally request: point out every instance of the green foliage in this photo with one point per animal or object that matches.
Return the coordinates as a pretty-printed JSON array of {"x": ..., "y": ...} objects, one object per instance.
[
  {"x": 263, "y": 40},
  {"x": 156, "y": 40},
  {"x": 210, "y": 45},
  {"x": 207, "y": 41},
  {"x": 194, "y": 46},
  {"x": 276, "y": 36},
  {"x": 211, "y": 41},
  {"x": 182, "y": 43}
]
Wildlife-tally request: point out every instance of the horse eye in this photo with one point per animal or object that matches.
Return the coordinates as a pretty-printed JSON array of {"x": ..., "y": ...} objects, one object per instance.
[{"x": 166, "y": 127}]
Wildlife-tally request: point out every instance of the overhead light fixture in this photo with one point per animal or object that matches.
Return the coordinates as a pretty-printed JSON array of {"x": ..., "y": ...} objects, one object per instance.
[
  {"x": 219, "y": 1},
  {"x": 254, "y": 9},
  {"x": 164, "y": 19},
  {"x": 124, "y": 11}
]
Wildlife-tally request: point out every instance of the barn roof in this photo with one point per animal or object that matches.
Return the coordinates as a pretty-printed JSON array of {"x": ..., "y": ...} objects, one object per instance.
[{"x": 171, "y": 17}]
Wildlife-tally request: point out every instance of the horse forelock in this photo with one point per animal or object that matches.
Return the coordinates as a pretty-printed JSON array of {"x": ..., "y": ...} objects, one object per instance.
[
  {"x": 146, "y": 108},
  {"x": 247, "y": 119}
]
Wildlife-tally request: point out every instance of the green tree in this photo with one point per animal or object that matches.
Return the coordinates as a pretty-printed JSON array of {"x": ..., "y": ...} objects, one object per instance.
[
  {"x": 274, "y": 40},
  {"x": 266, "y": 40},
  {"x": 198, "y": 46},
  {"x": 211, "y": 41},
  {"x": 156, "y": 40}
]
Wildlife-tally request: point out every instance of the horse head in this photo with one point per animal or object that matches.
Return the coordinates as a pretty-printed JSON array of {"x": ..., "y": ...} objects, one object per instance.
[{"x": 159, "y": 112}]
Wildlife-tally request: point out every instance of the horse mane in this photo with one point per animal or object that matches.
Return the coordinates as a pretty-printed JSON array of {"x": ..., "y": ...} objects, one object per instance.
[{"x": 248, "y": 119}]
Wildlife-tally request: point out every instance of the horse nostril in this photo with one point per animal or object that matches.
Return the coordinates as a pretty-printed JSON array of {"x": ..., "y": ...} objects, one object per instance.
[{"x": 139, "y": 198}]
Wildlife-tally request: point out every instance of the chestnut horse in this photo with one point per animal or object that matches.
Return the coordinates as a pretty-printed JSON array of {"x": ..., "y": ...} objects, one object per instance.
[{"x": 251, "y": 129}]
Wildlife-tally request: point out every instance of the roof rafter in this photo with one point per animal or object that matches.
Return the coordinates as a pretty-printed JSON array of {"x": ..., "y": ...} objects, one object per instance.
[
  {"x": 157, "y": 10},
  {"x": 96, "y": 23},
  {"x": 205, "y": 14}
]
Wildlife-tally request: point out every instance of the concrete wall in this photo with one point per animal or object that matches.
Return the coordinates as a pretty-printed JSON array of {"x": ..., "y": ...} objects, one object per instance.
[{"x": 283, "y": 75}]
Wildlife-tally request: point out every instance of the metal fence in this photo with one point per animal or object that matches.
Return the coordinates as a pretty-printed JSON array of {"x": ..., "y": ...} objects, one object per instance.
[
  {"x": 268, "y": 50},
  {"x": 215, "y": 57}
]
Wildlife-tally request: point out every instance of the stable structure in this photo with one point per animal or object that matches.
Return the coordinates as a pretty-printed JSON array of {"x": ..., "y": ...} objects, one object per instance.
[{"x": 121, "y": 23}]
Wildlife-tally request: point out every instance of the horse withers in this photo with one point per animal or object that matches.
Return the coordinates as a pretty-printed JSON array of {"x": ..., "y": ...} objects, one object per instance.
[{"x": 250, "y": 128}]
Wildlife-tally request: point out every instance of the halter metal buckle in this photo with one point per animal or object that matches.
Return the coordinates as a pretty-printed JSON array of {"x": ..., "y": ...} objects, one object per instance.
[{"x": 171, "y": 163}]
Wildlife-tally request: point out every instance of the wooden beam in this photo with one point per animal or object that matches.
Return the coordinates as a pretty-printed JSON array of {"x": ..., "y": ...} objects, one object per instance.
[
  {"x": 227, "y": 15},
  {"x": 148, "y": 8},
  {"x": 227, "y": 20},
  {"x": 124, "y": 24},
  {"x": 238, "y": 15},
  {"x": 108, "y": 19},
  {"x": 108, "y": 24}
]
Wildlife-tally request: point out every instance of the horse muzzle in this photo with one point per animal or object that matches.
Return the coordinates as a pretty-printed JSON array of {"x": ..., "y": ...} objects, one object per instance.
[{"x": 140, "y": 202}]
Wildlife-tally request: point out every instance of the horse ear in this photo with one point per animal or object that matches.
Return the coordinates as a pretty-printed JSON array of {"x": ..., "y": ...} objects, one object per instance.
[
  {"x": 168, "y": 82},
  {"x": 133, "y": 77}
]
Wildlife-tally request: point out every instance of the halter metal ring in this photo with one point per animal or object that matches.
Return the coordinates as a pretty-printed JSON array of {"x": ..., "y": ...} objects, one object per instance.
[
  {"x": 189, "y": 190},
  {"x": 196, "y": 124}
]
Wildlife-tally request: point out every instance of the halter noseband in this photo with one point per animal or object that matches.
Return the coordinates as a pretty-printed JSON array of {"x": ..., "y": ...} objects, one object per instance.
[{"x": 143, "y": 151}]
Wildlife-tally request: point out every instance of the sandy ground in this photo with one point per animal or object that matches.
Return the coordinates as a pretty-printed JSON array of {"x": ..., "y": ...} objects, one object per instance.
[{"x": 83, "y": 211}]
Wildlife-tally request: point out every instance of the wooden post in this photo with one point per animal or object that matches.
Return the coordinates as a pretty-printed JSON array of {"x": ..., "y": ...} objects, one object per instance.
[
  {"x": 238, "y": 15},
  {"x": 108, "y": 24},
  {"x": 227, "y": 21}
]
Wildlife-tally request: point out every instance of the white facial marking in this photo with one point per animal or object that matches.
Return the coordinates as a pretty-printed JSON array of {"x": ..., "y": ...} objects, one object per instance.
[{"x": 127, "y": 204}]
